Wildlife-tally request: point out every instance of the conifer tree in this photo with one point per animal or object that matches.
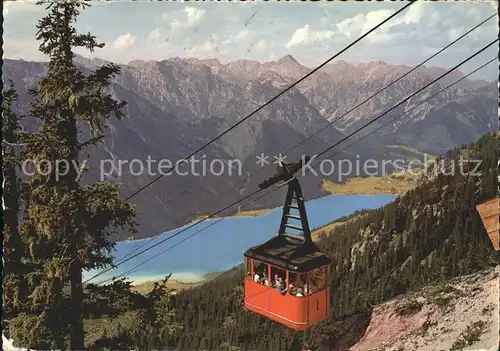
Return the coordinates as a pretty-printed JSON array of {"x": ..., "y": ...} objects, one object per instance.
[
  {"x": 14, "y": 289},
  {"x": 71, "y": 224}
]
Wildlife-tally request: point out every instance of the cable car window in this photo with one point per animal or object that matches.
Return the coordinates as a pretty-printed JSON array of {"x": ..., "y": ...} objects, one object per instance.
[
  {"x": 278, "y": 277},
  {"x": 317, "y": 280},
  {"x": 296, "y": 284},
  {"x": 260, "y": 273},
  {"x": 248, "y": 269}
]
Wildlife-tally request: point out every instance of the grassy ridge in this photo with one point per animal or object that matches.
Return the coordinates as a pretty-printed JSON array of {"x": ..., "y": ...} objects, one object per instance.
[
  {"x": 248, "y": 213},
  {"x": 411, "y": 150},
  {"x": 397, "y": 184},
  {"x": 174, "y": 284}
]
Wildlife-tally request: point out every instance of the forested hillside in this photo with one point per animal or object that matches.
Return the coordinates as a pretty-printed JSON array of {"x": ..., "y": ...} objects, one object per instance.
[
  {"x": 429, "y": 235},
  {"x": 426, "y": 237}
]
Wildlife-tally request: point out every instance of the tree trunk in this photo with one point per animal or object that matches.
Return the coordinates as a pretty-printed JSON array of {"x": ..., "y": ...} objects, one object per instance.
[{"x": 76, "y": 328}]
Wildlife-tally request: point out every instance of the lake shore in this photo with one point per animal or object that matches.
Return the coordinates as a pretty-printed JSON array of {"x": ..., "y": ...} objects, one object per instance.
[
  {"x": 145, "y": 286},
  {"x": 395, "y": 184},
  {"x": 242, "y": 214}
]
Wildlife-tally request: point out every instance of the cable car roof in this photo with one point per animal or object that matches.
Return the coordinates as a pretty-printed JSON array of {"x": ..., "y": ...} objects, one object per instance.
[{"x": 289, "y": 252}]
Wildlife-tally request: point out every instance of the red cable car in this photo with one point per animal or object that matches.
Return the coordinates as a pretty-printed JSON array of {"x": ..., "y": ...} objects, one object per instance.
[{"x": 287, "y": 277}]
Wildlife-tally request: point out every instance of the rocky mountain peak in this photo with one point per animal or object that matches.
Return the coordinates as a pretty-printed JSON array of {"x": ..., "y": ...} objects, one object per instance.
[{"x": 287, "y": 59}]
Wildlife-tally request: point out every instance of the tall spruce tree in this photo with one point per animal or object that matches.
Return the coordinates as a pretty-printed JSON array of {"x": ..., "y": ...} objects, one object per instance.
[
  {"x": 14, "y": 289},
  {"x": 69, "y": 224}
]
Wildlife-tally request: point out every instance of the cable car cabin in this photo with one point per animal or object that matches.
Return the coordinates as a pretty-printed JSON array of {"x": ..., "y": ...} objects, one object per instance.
[{"x": 287, "y": 277}]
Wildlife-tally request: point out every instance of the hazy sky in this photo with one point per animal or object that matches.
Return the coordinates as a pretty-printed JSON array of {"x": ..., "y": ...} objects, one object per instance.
[{"x": 266, "y": 31}]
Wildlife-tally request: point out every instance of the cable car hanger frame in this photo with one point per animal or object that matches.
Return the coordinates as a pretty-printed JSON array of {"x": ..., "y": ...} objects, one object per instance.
[{"x": 286, "y": 174}]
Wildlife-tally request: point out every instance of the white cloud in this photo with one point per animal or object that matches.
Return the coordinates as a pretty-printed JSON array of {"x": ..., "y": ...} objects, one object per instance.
[
  {"x": 474, "y": 13},
  {"x": 207, "y": 49},
  {"x": 421, "y": 11},
  {"x": 241, "y": 36},
  {"x": 351, "y": 26},
  {"x": 307, "y": 35},
  {"x": 194, "y": 14},
  {"x": 360, "y": 24},
  {"x": 373, "y": 18},
  {"x": 261, "y": 45},
  {"x": 124, "y": 41},
  {"x": 192, "y": 17},
  {"x": 381, "y": 37},
  {"x": 483, "y": 32},
  {"x": 158, "y": 36},
  {"x": 453, "y": 33},
  {"x": 415, "y": 13}
]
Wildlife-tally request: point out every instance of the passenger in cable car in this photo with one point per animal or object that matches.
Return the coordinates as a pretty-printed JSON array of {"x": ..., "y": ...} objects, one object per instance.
[
  {"x": 301, "y": 287},
  {"x": 264, "y": 280},
  {"x": 256, "y": 278},
  {"x": 279, "y": 284},
  {"x": 292, "y": 287}
]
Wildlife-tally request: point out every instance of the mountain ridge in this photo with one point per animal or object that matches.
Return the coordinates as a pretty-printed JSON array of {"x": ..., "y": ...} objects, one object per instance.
[{"x": 176, "y": 105}]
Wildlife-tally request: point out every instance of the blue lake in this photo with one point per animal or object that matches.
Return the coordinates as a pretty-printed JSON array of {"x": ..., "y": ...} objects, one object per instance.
[{"x": 221, "y": 245}]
